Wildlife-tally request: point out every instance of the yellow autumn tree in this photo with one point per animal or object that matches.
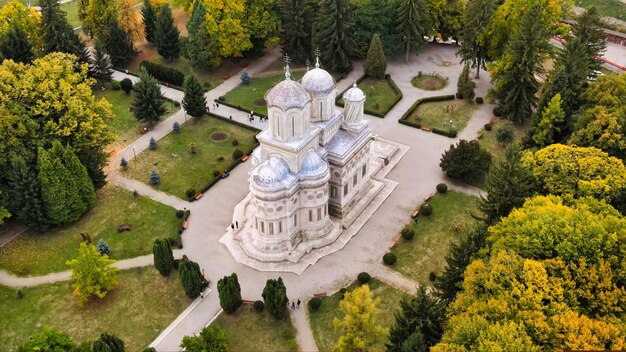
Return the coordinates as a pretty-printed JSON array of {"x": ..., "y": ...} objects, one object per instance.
[
  {"x": 98, "y": 15},
  {"x": 358, "y": 328},
  {"x": 130, "y": 20},
  {"x": 225, "y": 21},
  {"x": 27, "y": 19}
]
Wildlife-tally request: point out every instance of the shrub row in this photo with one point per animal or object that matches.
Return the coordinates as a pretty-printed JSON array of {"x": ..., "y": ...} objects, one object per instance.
[
  {"x": 405, "y": 117},
  {"x": 184, "y": 218},
  {"x": 222, "y": 100},
  {"x": 339, "y": 98},
  {"x": 163, "y": 73}
]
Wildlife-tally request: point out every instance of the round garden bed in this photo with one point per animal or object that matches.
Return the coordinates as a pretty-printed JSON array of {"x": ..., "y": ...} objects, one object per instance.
[
  {"x": 219, "y": 136},
  {"x": 260, "y": 102},
  {"x": 429, "y": 82}
]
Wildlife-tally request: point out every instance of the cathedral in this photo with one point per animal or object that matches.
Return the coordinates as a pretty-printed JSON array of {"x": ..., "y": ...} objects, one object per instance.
[{"x": 310, "y": 169}]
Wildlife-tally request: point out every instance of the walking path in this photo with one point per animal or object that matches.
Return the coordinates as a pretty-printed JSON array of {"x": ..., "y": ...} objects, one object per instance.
[{"x": 304, "y": 334}]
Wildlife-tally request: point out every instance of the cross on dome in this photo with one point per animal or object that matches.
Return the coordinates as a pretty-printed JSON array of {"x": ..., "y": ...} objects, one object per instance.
[
  {"x": 317, "y": 57},
  {"x": 287, "y": 60}
]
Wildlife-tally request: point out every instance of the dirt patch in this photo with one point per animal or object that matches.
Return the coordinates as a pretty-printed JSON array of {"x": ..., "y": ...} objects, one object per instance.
[
  {"x": 260, "y": 102},
  {"x": 219, "y": 136}
]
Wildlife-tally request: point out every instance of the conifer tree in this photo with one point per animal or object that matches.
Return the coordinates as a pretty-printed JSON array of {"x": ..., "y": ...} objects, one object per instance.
[
  {"x": 296, "y": 17},
  {"x": 102, "y": 70},
  {"x": 589, "y": 30},
  {"x": 163, "y": 256},
  {"x": 103, "y": 247},
  {"x": 245, "y": 77},
  {"x": 57, "y": 34},
  {"x": 191, "y": 278},
  {"x": 465, "y": 160},
  {"x": 15, "y": 45},
  {"x": 465, "y": 85},
  {"x": 167, "y": 35},
  {"x": 108, "y": 343},
  {"x": 200, "y": 48},
  {"x": 474, "y": 36},
  {"x": 148, "y": 102},
  {"x": 550, "y": 126},
  {"x": 119, "y": 45},
  {"x": 194, "y": 100},
  {"x": 149, "y": 20},
  {"x": 24, "y": 194},
  {"x": 507, "y": 183},
  {"x": 155, "y": 179},
  {"x": 153, "y": 144},
  {"x": 419, "y": 324},
  {"x": 415, "y": 21},
  {"x": 334, "y": 34},
  {"x": 275, "y": 297},
  {"x": 230, "y": 293},
  {"x": 375, "y": 63},
  {"x": 359, "y": 331}
]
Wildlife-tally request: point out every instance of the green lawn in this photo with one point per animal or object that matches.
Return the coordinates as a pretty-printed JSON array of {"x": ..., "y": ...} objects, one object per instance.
[
  {"x": 124, "y": 124},
  {"x": 38, "y": 254},
  {"x": 426, "y": 252},
  {"x": 71, "y": 11},
  {"x": 137, "y": 310},
  {"x": 181, "y": 170},
  {"x": 488, "y": 138},
  {"x": 248, "y": 330},
  {"x": 246, "y": 95},
  {"x": 322, "y": 321},
  {"x": 429, "y": 82},
  {"x": 612, "y": 8},
  {"x": 380, "y": 96},
  {"x": 437, "y": 114}
]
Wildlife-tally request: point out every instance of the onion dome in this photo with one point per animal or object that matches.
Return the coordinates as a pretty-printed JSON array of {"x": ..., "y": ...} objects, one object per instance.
[
  {"x": 266, "y": 174},
  {"x": 318, "y": 81},
  {"x": 272, "y": 171},
  {"x": 313, "y": 164},
  {"x": 287, "y": 94},
  {"x": 354, "y": 94}
]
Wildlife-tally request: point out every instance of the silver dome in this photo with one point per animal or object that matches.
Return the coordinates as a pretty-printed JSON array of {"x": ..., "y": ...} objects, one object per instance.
[
  {"x": 318, "y": 81},
  {"x": 287, "y": 94},
  {"x": 280, "y": 167},
  {"x": 313, "y": 165},
  {"x": 266, "y": 174},
  {"x": 354, "y": 94}
]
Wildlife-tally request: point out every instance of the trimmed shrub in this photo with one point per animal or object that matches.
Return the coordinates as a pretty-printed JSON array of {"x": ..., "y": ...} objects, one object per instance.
[
  {"x": 504, "y": 135},
  {"x": 153, "y": 144},
  {"x": 426, "y": 209},
  {"x": 497, "y": 112},
  {"x": 342, "y": 292},
  {"x": 103, "y": 247},
  {"x": 176, "y": 127},
  {"x": 230, "y": 293},
  {"x": 179, "y": 213},
  {"x": 127, "y": 85},
  {"x": 389, "y": 259},
  {"x": 124, "y": 164},
  {"x": 237, "y": 154},
  {"x": 155, "y": 179},
  {"x": 432, "y": 276},
  {"x": 216, "y": 173},
  {"x": 363, "y": 278},
  {"x": 245, "y": 77},
  {"x": 163, "y": 73},
  {"x": 116, "y": 85},
  {"x": 407, "y": 233},
  {"x": 480, "y": 100},
  {"x": 259, "y": 306},
  {"x": 458, "y": 95},
  {"x": 442, "y": 188},
  {"x": 235, "y": 142},
  {"x": 314, "y": 304},
  {"x": 488, "y": 127},
  {"x": 189, "y": 193},
  {"x": 19, "y": 294}
]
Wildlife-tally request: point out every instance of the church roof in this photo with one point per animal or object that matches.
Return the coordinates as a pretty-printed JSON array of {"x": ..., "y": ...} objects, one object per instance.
[
  {"x": 354, "y": 94},
  {"x": 287, "y": 94},
  {"x": 313, "y": 165},
  {"x": 318, "y": 81}
]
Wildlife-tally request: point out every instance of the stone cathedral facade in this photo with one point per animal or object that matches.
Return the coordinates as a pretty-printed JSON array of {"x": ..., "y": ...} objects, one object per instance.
[{"x": 311, "y": 168}]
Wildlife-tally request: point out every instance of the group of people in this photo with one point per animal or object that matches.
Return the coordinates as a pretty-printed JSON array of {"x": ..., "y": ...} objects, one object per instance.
[{"x": 295, "y": 304}]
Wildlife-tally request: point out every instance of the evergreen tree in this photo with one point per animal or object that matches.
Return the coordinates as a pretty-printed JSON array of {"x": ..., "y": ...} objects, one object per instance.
[
  {"x": 102, "y": 70},
  {"x": 92, "y": 274},
  {"x": 419, "y": 324},
  {"x": 127, "y": 85},
  {"x": 552, "y": 118},
  {"x": 589, "y": 30},
  {"x": 24, "y": 195},
  {"x": 191, "y": 278},
  {"x": 465, "y": 161},
  {"x": 14, "y": 45},
  {"x": 155, "y": 179},
  {"x": 176, "y": 127},
  {"x": 275, "y": 297},
  {"x": 465, "y": 85},
  {"x": 57, "y": 34},
  {"x": 296, "y": 28},
  {"x": 67, "y": 191},
  {"x": 448, "y": 284},
  {"x": 210, "y": 339},
  {"x": 163, "y": 256},
  {"x": 508, "y": 184},
  {"x": 153, "y": 144},
  {"x": 514, "y": 75},
  {"x": 119, "y": 45},
  {"x": 167, "y": 35},
  {"x": 230, "y": 293},
  {"x": 103, "y": 247},
  {"x": 149, "y": 19},
  {"x": 200, "y": 48},
  {"x": 474, "y": 36},
  {"x": 245, "y": 77},
  {"x": 124, "y": 164},
  {"x": 334, "y": 34},
  {"x": 148, "y": 102},
  {"x": 108, "y": 343},
  {"x": 415, "y": 21},
  {"x": 376, "y": 63},
  {"x": 194, "y": 100}
]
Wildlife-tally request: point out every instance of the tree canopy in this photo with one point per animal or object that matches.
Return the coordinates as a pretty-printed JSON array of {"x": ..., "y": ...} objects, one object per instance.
[{"x": 92, "y": 274}]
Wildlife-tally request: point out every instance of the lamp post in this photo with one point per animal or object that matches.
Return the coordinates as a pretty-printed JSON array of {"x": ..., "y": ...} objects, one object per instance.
[
  {"x": 134, "y": 153},
  {"x": 185, "y": 113}
]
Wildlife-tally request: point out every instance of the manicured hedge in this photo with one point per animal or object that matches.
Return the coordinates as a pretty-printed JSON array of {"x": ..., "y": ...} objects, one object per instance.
[
  {"x": 339, "y": 98},
  {"x": 223, "y": 101},
  {"x": 163, "y": 73},
  {"x": 405, "y": 121}
]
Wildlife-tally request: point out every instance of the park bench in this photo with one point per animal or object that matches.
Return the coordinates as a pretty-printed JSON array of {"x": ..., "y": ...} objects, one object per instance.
[
  {"x": 415, "y": 214},
  {"x": 426, "y": 128},
  {"x": 198, "y": 196},
  {"x": 319, "y": 294},
  {"x": 244, "y": 158}
]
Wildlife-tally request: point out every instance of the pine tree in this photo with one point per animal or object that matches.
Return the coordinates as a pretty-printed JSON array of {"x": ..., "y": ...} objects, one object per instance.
[
  {"x": 476, "y": 18},
  {"x": 153, "y": 144},
  {"x": 148, "y": 102},
  {"x": 375, "y": 63},
  {"x": 102, "y": 70},
  {"x": 191, "y": 279},
  {"x": 415, "y": 21},
  {"x": 108, "y": 343},
  {"x": 103, "y": 248},
  {"x": 163, "y": 256},
  {"x": 359, "y": 331},
  {"x": 176, "y": 127},
  {"x": 14, "y": 45},
  {"x": 245, "y": 77},
  {"x": 124, "y": 164},
  {"x": 419, "y": 324},
  {"x": 155, "y": 179},
  {"x": 334, "y": 34},
  {"x": 230, "y": 293},
  {"x": 127, "y": 85},
  {"x": 296, "y": 28},
  {"x": 149, "y": 19},
  {"x": 465, "y": 85},
  {"x": 194, "y": 100},
  {"x": 448, "y": 284},
  {"x": 508, "y": 184},
  {"x": 589, "y": 30},
  {"x": 24, "y": 195},
  {"x": 167, "y": 35},
  {"x": 57, "y": 34},
  {"x": 200, "y": 49},
  {"x": 465, "y": 161},
  {"x": 119, "y": 45},
  {"x": 275, "y": 297},
  {"x": 552, "y": 118}
]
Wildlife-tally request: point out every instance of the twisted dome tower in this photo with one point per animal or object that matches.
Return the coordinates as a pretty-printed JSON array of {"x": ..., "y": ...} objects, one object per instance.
[{"x": 321, "y": 85}]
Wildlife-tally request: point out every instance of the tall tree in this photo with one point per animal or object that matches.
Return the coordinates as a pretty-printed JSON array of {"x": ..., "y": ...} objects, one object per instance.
[
  {"x": 514, "y": 75},
  {"x": 194, "y": 100},
  {"x": 262, "y": 23},
  {"x": 230, "y": 293},
  {"x": 92, "y": 274},
  {"x": 415, "y": 21},
  {"x": 99, "y": 15},
  {"x": 590, "y": 30},
  {"x": 465, "y": 85},
  {"x": 465, "y": 161},
  {"x": 296, "y": 17},
  {"x": 148, "y": 102},
  {"x": 225, "y": 21},
  {"x": 149, "y": 19},
  {"x": 419, "y": 324},
  {"x": 376, "y": 63},
  {"x": 334, "y": 34},
  {"x": 163, "y": 256},
  {"x": 102, "y": 70},
  {"x": 191, "y": 278},
  {"x": 375, "y": 17},
  {"x": 359, "y": 331},
  {"x": 16, "y": 13},
  {"x": 119, "y": 45},
  {"x": 200, "y": 49},
  {"x": 211, "y": 339},
  {"x": 275, "y": 297},
  {"x": 130, "y": 20},
  {"x": 474, "y": 36},
  {"x": 549, "y": 128},
  {"x": 108, "y": 343},
  {"x": 167, "y": 35},
  {"x": 15, "y": 46},
  {"x": 57, "y": 34}
]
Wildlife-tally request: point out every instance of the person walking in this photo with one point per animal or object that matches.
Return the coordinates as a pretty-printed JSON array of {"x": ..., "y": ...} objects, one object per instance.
[
  {"x": 232, "y": 226},
  {"x": 293, "y": 305},
  {"x": 298, "y": 304}
]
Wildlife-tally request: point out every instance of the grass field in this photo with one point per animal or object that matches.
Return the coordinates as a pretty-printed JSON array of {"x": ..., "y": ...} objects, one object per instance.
[
  {"x": 71, "y": 12},
  {"x": 488, "y": 138},
  {"x": 612, "y": 8},
  {"x": 435, "y": 114},
  {"x": 426, "y": 252},
  {"x": 178, "y": 168},
  {"x": 248, "y": 330},
  {"x": 322, "y": 321},
  {"x": 38, "y": 254},
  {"x": 429, "y": 82},
  {"x": 380, "y": 96},
  {"x": 136, "y": 311}
]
